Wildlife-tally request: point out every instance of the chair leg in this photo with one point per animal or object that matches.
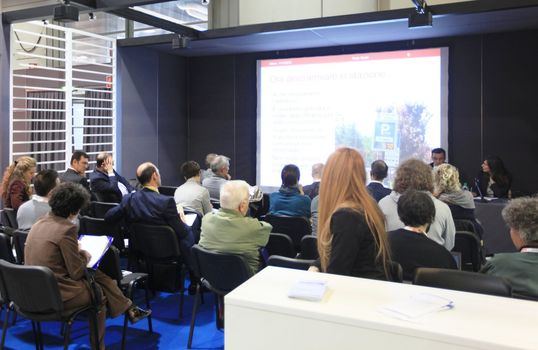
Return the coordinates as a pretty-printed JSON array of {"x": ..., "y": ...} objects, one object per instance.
[
  {"x": 124, "y": 332},
  {"x": 4, "y": 328},
  {"x": 67, "y": 334},
  {"x": 148, "y": 307},
  {"x": 219, "y": 310},
  {"x": 193, "y": 317}
]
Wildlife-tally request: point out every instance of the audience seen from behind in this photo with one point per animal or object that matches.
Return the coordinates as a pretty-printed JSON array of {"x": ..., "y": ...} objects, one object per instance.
[
  {"x": 230, "y": 230},
  {"x": 378, "y": 172},
  {"x": 447, "y": 188},
  {"x": 414, "y": 174},
  {"x": 351, "y": 232},
  {"x": 53, "y": 242},
  {"x": 76, "y": 173},
  {"x": 220, "y": 166},
  {"x": 438, "y": 157},
  {"x": 192, "y": 195},
  {"x": 148, "y": 206},
  {"x": 29, "y": 212},
  {"x": 312, "y": 190},
  {"x": 15, "y": 188},
  {"x": 105, "y": 183},
  {"x": 521, "y": 215},
  {"x": 290, "y": 199},
  {"x": 207, "y": 172},
  {"x": 410, "y": 245},
  {"x": 493, "y": 180}
]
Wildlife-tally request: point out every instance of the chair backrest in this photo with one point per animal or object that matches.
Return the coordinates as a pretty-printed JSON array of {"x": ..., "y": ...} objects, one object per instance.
[
  {"x": 395, "y": 271},
  {"x": 468, "y": 244},
  {"x": 309, "y": 247},
  {"x": 19, "y": 240},
  {"x": 33, "y": 289},
  {"x": 99, "y": 209},
  {"x": 462, "y": 280},
  {"x": 154, "y": 241},
  {"x": 6, "y": 251},
  {"x": 280, "y": 244},
  {"x": 220, "y": 272},
  {"x": 295, "y": 227},
  {"x": 167, "y": 190},
  {"x": 9, "y": 218},
  {"x": 290, "y": 263}
]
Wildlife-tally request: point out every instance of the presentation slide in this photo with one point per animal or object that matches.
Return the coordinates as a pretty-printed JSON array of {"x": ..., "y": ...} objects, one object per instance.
[{"x": 388, "y": 105}]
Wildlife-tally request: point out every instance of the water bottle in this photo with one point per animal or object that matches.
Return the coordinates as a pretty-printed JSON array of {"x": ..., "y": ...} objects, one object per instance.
[{"x": 465, "y": 187}]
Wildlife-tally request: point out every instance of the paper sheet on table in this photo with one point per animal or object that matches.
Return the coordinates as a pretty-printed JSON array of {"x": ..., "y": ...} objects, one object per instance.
[
  {"x": 312, "y": 290},
  {"x": 416, "y": 306}
]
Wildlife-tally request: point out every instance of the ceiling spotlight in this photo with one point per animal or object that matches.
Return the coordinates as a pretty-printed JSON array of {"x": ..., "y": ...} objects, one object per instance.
[
  {"x": 65, "y": 13},
  {"x": 421, "y": 15},
  {"x": 91, "y": 16}
]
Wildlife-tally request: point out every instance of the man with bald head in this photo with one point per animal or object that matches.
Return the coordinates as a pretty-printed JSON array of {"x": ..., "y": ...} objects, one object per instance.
[{"x": 148, "y": 206}]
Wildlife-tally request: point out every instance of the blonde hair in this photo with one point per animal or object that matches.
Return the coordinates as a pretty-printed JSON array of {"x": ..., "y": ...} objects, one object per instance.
[
  {"x": 446, "y": 179},
  {"x": 343, "y": 186},
  {"x": 16, "y": 172}
]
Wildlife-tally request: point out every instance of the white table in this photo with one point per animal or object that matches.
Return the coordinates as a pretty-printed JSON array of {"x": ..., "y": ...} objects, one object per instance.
[{"x": 259, "y": 315}]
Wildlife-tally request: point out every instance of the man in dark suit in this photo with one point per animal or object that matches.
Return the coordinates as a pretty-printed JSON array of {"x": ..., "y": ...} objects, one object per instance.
[
  {"x": 438, "y": 157},
  {"x": 105, "y": 183},
  {"x": 378, "y": 171},
  {"x": 148, "y": 206},
  {"x": 76, "y": 173},
  {"x": 312, "y": 190}
]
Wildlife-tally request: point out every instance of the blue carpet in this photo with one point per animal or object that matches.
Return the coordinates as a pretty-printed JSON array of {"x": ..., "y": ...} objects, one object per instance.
[{"x": 168, "y": 331}]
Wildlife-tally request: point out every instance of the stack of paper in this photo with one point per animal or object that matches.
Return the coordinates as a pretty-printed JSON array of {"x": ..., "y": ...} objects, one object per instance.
[
  {"x": 417, "y": 306},
  {"x": 312, "y": 290}
]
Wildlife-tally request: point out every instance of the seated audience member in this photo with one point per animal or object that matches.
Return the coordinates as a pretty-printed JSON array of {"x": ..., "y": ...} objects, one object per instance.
[
  {"x": 351, "y": 231},
  {"x": 414, "y": 174},
  {"x": 314, "y": 212},
  {"x": 53, "y": 242},
  {"x": 410, "y": 246},
  {"x": 493, "y": 180},
  {"x": 148, "y": 206},
  {"x": 76, "y": 173},
  {"x": 378, "y": 172},
  {"x": 15, "y": 188},
  {"x": 29, "y": 212},
  {"x": 230, "y": 230},
  {"x": 207, "y": 172},
  {"x": 290, "y": 199},
  {"x": 447, "y": 189},
  {"x": 105, "y": 183},
  {"x": 312, "y": 190},
  {"x": 438, "y": 157},
  {"x": 218, "y": 177},
  {"x": 191, "y": 195},
  {"x": 521, "y": 215}
]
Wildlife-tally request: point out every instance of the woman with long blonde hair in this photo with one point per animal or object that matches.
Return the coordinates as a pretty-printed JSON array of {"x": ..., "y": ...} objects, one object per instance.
[
  {"x": 351, "y": 231},
  {"x": 15, "y": 187}
]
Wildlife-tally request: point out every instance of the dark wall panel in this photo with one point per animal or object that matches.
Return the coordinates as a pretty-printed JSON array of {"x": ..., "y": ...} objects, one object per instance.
[
  {"x": 511, "y": 104},
  {"x": 172, "y": 118}
]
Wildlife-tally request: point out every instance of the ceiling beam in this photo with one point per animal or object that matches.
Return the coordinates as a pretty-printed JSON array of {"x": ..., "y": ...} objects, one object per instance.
[{"x": 156, "y": 22}]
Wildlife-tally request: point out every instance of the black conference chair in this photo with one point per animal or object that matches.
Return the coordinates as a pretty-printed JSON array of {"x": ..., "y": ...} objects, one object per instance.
[
  {"x": 280, "y": 244},
  {"x": 309, "y": 248},
  {"x": 463, "y": 281},
  {"x": 34, "y": 293},
  {"x": 220, "y": 273},
  {"x": 110, "y": 264},
  {"x": 295, "y": 227},
  {"x": 468, "y": 244},
  {"x": 167, "y": 190},
  {"x": 290, "y": 263},
  {"x": 6, "y": 250},
  {"x": 9, "y": 218},
  {"x": 395, "y": 272},
  {"x": 99, "y": 209},
  {"x": 19, "y": 241},
  {"x": 470, "y": 226},
  {"x": 98, "y": 227},
  {"x": 156, "y": 247}
]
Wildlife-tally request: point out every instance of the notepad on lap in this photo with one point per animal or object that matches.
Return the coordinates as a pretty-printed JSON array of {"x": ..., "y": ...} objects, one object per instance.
[
  {"x": 312, "y": 290},
  {"x": 96, "y": 246}
]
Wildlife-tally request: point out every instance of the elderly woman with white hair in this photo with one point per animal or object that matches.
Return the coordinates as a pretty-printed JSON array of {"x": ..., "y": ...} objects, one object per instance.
[
  {"x": 230, "y": 230},
  {"x": 521, "y": 269}
]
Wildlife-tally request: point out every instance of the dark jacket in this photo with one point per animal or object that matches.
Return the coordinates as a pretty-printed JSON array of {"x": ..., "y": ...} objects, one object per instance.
[
  {"x": 500, "y": 190},
  {"x": 311, "y": 190},
  {"x": 105, "y": 188},
  {"x": 378, "y": 191},
  {"x": 72, "y": 176}
]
